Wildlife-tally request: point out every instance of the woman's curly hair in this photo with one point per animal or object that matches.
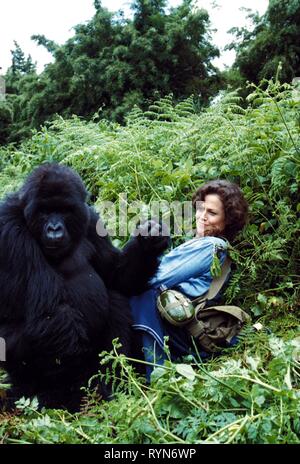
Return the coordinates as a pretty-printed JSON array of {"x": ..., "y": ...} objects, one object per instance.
[{"x": 235, "y": 205}]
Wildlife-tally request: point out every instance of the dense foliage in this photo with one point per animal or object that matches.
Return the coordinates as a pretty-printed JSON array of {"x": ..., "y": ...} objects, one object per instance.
[
  {"x": 112, "y": 63},
  {"x": 274, "y": 39},
  {"x": 251, "y": 393}
]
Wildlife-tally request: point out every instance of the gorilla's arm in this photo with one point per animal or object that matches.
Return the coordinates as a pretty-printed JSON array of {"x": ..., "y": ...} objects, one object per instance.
[
  {"x": 138, "y": 262},
  {"x": 127, "y": 270}
]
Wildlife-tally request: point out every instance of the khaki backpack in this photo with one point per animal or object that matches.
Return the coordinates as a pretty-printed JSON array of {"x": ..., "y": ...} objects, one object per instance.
[{"x": 213, "y": 327}]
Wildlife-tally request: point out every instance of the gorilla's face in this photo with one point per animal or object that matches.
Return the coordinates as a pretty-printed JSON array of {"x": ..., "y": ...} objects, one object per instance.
[
  {"x": 55, "y": 210},
  {"x": 58, "y": 225},
  {"x": 52, "y": 230}
]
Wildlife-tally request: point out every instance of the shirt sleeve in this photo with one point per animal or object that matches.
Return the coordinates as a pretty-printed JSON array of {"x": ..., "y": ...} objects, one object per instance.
[{"x": 187, "y": 267}]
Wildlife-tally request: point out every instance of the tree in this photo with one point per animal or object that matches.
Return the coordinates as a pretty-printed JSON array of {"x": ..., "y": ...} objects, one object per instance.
[
  {"x": 5, "y": 121},
  {"x": 21, "y": 64},
  {"x": 274, "y": 39},
  {"x": 15, "y": 120},
  {"x": 112, "y": 63},
  {"x": 50, "y": 45}
]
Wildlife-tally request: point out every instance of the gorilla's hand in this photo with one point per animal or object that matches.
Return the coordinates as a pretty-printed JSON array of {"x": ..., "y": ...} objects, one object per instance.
[{"x": 153, "y": 236}]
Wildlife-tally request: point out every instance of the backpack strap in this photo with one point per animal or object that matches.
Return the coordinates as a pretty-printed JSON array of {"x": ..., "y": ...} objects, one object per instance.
[{"x": 216, "y": 284}]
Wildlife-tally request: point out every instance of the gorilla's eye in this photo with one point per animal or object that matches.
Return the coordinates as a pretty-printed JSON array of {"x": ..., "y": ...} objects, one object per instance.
[{"x": 48, "y": 210}]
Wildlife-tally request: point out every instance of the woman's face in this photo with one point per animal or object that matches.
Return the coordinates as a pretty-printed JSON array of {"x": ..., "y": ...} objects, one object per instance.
[{"x": 210, "y": 216}]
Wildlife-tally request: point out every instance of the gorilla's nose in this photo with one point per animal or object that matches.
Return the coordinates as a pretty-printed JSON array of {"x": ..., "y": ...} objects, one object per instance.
[{"x": 55, "y": 231}]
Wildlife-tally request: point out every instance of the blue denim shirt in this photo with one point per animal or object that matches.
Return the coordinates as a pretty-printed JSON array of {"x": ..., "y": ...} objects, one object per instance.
[{"x": 187, "y": 267}]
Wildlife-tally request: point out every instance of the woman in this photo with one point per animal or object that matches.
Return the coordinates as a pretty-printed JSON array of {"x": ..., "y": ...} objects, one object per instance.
[{"x": 221, "y": 213}]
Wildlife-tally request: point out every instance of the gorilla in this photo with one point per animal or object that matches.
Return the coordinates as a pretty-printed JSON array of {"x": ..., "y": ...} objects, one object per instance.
[{"x": 63, "y": 288}]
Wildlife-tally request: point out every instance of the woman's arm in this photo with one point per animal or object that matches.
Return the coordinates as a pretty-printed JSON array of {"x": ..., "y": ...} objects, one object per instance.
[{"x": 187, "y": 267}]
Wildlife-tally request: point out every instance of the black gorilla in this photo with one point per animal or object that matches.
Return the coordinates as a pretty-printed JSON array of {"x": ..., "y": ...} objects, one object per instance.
[{"x": 63, "y": 288}]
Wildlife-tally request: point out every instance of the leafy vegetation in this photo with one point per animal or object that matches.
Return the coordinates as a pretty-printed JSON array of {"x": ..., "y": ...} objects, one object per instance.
[
  {"x": 111, "y": 64},
  {"x": 251, "y": 397},
  {"x": 272, "y": 40},
  {"x": 250, "y": 394}
]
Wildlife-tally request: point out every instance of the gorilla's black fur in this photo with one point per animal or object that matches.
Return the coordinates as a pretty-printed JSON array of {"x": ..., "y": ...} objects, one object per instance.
[{"x": 63, "y": 288}]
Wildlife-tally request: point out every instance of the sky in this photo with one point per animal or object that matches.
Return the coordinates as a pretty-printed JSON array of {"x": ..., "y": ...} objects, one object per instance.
[{"x": 19, "y": 19}]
